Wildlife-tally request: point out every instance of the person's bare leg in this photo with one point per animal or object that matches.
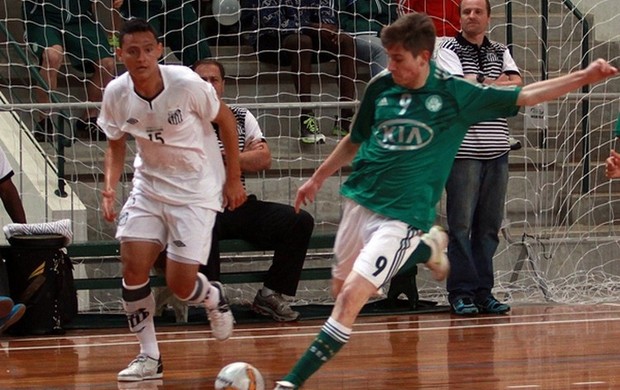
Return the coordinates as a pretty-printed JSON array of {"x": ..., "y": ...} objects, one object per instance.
[
  {"x": 51, "y": 60},
  {"x": 103, "y": 74},
  {"x": 300, "y": 47}
]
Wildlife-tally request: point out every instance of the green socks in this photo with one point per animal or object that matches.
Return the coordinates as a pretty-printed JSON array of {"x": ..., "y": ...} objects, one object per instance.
[
  {"x": 332, "y": 337},
  {"x": 420, "y": 255}
]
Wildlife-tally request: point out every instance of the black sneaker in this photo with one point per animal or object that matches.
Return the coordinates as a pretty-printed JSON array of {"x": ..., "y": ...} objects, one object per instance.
[
  {"x": 341, "y": 126},
  {"x": 492, "y": 306},
  {"x": 464, "y": 306},
  {"x": 515, "y": 144},
  {"x": 275, "y": 306},
  {"x": 310, "y": 132},
  {"x": 89, "y": 129}
]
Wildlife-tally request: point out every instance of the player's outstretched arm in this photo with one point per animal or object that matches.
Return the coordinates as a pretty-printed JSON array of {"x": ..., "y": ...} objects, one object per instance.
[
  {"x": 112, "y": 168},
  {"x": 341, "y": 156},
  {"x": 612, "y": 165},
  {"x": 543, "y": 91}
]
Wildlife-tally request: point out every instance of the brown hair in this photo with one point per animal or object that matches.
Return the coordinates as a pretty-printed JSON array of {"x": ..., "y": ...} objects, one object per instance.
[
  {"x": 135, "y": 25},
  {"x": 414, "y": 31},
  {"x": 206, "y": 61},
  {"x": 488, "y": 7}
]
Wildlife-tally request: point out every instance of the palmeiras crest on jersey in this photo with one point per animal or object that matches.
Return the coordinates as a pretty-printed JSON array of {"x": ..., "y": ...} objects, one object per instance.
[
  {"x": 434, "y": 103},
  {"x": 403, "y": 134},
  {"x": 175, "y": 117}
]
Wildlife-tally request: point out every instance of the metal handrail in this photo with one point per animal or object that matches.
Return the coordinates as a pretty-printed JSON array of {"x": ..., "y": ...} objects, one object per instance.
[{"x": 62, "y": 140}]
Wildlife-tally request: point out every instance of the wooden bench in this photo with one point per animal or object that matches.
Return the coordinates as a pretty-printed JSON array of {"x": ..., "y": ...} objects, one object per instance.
[
  {"x": 109, "y": 251},
  {"x": 106, "y": 251}
]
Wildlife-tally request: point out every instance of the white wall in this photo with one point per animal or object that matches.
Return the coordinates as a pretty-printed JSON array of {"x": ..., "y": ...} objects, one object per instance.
[{"x": 606, "y": 17}]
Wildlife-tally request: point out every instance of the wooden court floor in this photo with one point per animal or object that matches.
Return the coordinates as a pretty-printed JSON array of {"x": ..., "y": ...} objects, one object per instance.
[{"x": 535, "y": 347}]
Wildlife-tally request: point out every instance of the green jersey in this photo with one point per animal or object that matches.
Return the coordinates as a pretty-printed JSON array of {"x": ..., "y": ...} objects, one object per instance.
[{"x": 409, "y": 138}]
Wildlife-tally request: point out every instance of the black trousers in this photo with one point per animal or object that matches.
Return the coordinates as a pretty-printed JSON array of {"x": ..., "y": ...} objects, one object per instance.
[{"x": 269, "y": 226}]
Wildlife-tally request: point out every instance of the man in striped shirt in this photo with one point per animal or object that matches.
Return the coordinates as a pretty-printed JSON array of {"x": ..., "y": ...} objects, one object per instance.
[
  {"x": 268, "y": 225},
  {"x": 476, "y": 187}
]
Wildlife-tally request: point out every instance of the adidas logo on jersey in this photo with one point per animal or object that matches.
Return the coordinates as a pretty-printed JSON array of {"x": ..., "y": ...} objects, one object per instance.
[{"x": 382, "y": 102}]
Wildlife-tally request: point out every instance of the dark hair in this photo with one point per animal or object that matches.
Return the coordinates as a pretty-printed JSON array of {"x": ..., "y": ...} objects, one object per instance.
[
  {"x": 206, "y": 61},
  {"x": 135, "y": 25},
  {"x": 488, "y": 7},
  {"x": 414, "y": 31}
]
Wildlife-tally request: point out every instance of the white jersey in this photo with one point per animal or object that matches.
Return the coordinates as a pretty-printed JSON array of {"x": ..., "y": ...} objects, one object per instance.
[
  {"x": 178, "y": 159},
  {"x": 6, "y": 172}
]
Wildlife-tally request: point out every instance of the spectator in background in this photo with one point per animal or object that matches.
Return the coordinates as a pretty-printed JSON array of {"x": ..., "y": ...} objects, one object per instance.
[
  {"x": 476, "y": 187},
  {"x": 268, "y": 225},
  {"x": 53, "y": 26},
  {"x": 446, "y": 17},
  {"x": 10, "y": 313},
  {"x": 298, "y": 33},
  {"x": 364, "y": 19},
  {"x": 176, "y": 22}
]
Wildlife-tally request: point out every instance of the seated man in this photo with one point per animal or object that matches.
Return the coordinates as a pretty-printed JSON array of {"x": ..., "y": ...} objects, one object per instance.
[
  {"x": 299, "y": 33},
  {"x": 51, "y": 27},
  {"x": 364, "y": 19},
  {"x": 266, "y": 224},
  {"x": 176, "y": 22}
]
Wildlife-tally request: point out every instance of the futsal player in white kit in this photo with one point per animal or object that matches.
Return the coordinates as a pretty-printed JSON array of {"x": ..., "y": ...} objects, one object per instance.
[{"x": 180, "y": 183}]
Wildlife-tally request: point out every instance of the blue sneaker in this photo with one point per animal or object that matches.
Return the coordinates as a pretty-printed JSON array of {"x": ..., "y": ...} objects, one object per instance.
[
  {"x": 492, "y": 306},
  {"x": 464, "y": 307},
  {"x": 15, "y": 315},
  {"x": 6, "y": 305}
]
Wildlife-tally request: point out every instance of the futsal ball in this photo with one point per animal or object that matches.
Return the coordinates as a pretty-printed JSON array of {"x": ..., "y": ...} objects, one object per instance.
[
  {"x": 226, "y": 12},
  {"x": 239, "y": 376}
]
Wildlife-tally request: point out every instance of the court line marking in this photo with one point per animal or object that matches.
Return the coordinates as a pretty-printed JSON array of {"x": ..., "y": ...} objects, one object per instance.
[
  {"x": 8, "y": 348},
  {"x": 451, "y": 319},
  {"x": 124, "y": 333}
]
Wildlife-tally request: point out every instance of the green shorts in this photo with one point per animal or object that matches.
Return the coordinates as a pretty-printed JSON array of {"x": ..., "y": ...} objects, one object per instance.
[{"x": 84, "y": 41}]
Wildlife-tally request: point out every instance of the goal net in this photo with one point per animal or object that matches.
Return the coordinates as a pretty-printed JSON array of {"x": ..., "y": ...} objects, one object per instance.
[{"x": 559, "y": 241}]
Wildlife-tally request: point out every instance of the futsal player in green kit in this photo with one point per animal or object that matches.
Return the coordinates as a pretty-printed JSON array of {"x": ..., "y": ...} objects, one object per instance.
[{"x": 403, "y": 140}]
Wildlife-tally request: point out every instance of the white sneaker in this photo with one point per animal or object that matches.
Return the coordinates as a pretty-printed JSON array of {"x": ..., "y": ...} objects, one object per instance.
[
  {"x": 284, "y": 385},
  {"x": 439, "y": 264},
  {"x": 221, "y": 318},
  {"x": 143, "y": 367}
]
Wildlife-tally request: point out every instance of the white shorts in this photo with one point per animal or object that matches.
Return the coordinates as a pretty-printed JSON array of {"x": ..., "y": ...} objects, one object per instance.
[
  {"x": 185, "y": 230},
  {"x": 375, "y": 246}
]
